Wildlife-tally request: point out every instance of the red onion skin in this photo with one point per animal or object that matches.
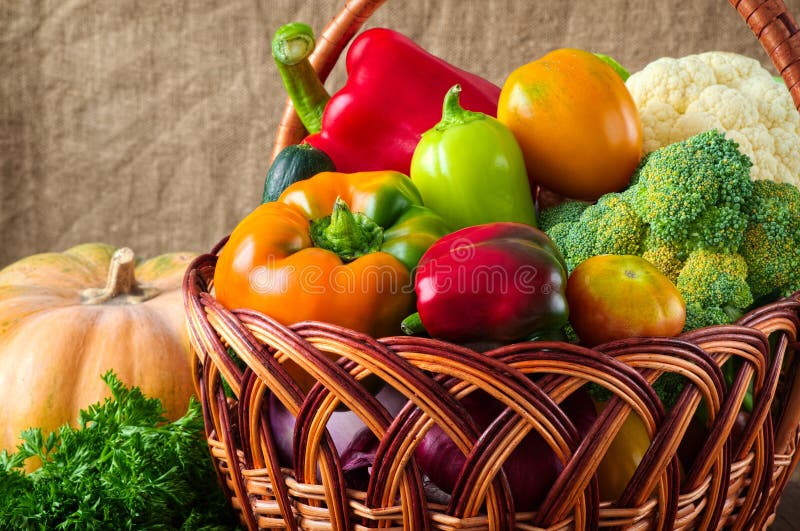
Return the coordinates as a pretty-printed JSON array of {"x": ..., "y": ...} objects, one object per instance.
[
  {"x": 355, "y": 443},
  {"x": 532, "y": 467}
]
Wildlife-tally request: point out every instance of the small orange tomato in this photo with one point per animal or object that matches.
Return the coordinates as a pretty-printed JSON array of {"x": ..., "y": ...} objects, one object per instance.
[
  {"x": 615, "y": 297},
  {"x": 576, "y": 123}
]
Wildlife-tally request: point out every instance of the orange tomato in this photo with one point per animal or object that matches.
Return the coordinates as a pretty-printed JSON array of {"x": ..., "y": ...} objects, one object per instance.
[
  {"x": 615, "y": 297},
  {"x": 576, "y": 123}
]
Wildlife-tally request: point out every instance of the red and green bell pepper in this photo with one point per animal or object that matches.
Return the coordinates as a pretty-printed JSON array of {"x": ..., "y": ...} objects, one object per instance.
[{"x": 492, "y": 282}]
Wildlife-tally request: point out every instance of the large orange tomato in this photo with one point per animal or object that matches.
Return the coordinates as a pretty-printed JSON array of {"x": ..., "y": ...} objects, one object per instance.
[
  {"x": 615, "y": 297},
  {"x": 576, "y": 122}
]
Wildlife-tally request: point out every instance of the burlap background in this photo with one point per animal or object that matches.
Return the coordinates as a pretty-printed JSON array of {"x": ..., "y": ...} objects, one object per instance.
[{"x": 150, "y": 123}]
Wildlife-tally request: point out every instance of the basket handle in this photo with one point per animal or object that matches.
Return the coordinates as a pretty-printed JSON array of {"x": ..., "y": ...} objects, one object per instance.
[
  {"x": 777, "y": 31},
  {"x": 329, "y": 47},
  {"x": 770, "y": 21}
]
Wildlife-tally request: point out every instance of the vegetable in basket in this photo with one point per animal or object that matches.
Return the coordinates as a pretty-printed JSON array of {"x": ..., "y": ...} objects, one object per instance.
[
  {"x": 393, "y": 94},
  {"x": 531, "y": 468},
  {"x": 470, "y": 170},
  {"x": 620, "y": 296},
  {"x": 493, "y": 282},
  {"x": 295, "y": 162},
  {"x": 354, "y": 441},
  {"x": 337, "y": 248},
  {"x": 680, "y": 97},
  {"x": 576, "y": 122},
  {"x": 623, "y": 456}
]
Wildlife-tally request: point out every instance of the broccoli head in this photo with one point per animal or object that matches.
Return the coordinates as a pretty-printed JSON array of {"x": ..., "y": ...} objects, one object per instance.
[
  {"x": 666, "y": 257},
  {"x": 714, "y": 288},
  {"x": 609, "y": 226},
  {"x": 692, "y": 193},
  {"x": 560, "y": 234},
  {"x": 772, "y": 241},
  {"x": 568, "y": 211}
]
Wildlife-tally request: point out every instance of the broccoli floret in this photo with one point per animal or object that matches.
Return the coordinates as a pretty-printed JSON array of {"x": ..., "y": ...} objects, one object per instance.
[
  {"x": 691, "y": 193},
  {"x": 666, "y": 257},
  {"x": 570, "y": 334},
  {"x": 565, "y": 212},
  {"x": 559, "y": 233},
  {"x": 669, "y": 387},
  {"x": 772, "y": 241},
  {"x": 609, "y": 226},
  {"x": 714, "y": 288},
  {"x": 698, "y": 316}
]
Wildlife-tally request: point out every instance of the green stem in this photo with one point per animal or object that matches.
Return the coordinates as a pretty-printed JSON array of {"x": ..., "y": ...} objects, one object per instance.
[
  {"x": 453, "y": 113},
  {"x": 347, "y": 234},
  {"x": 412, "y": 325},
  {"x": 291, "y": 48},
  {"x": 621, "y": 71}
]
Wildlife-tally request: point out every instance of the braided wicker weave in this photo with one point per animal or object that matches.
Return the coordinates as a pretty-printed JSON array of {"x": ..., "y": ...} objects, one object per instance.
[{"x": 735, "y": 481}]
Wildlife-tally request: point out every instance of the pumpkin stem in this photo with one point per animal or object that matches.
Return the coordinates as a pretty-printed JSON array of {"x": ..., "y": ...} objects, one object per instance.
[{"x": 121, "y": 286}]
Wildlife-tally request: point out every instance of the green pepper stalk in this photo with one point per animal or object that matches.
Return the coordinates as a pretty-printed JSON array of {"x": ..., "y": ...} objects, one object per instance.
[
  {"x": 347, "y": 234},
  {"x": 291, "y": 48},
  {"x": 453, "y": 113}
]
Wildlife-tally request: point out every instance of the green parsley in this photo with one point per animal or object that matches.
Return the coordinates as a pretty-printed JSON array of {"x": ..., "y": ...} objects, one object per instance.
[{"x": 123, "y": 467}]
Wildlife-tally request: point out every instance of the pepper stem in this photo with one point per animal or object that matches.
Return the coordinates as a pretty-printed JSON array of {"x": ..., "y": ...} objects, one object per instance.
[
  {"x": 412, "y": 325},
  {"x": 346, "y": 233},
  {"x": 291, "y": 47},
  {"x": 452, "y": 111}
]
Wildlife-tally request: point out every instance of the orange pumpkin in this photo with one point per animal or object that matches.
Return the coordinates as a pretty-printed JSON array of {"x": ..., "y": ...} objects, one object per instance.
[{"x": 67, "y": 318}]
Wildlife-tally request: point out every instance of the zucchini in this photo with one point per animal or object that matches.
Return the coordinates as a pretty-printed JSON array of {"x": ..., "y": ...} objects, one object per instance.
[{"x": 294, "y": 163}]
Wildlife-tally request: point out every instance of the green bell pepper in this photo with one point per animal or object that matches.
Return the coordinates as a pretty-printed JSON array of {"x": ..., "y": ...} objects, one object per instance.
[{"x": 470, "y": 170}]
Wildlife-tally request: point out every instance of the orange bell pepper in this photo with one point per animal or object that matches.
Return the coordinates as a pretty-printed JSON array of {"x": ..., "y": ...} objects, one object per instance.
[{"x": 307, "y": 256}]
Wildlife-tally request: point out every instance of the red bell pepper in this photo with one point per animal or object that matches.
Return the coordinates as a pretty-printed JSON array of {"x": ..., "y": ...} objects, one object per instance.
[
  {"x": 493, "y": 282},
  {"x": 393, "y": 94}
]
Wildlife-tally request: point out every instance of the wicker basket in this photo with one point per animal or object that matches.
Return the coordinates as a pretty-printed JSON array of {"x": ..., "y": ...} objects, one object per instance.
[{"x": 734, "y": 481}]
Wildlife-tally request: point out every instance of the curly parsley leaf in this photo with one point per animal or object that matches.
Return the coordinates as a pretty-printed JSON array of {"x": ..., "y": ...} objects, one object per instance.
[{"x": 123, "y": 467}]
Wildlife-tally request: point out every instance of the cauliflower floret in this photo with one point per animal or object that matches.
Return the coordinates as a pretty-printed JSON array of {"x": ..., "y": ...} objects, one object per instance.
[
  {"x": 680, "y": 98},
  {"x": 731, "y": 69},
  {"x": 676, "y": 82},
  {"x": 786, "y": 149},
  {"x": 774, "y": 103},
  {"x": 719, "y": 100},
  {"x": 657, "y": 124}
]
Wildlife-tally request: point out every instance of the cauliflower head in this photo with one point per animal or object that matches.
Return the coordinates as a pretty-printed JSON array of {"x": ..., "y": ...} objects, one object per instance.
[{"x": 680, "y": 97}]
